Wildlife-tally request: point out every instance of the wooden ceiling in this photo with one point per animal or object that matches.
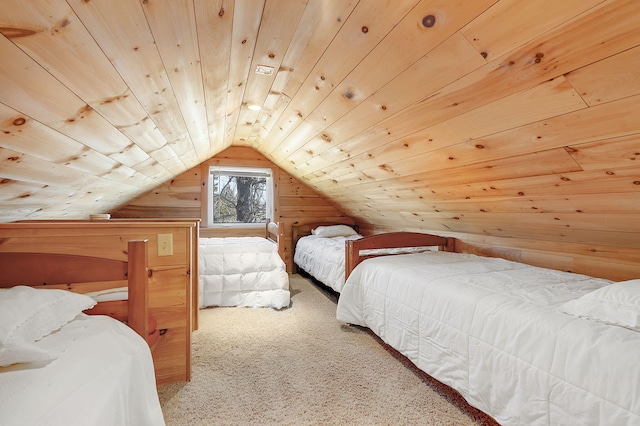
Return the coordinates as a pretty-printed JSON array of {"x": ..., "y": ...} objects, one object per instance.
[{"x": 512, "y": 118}]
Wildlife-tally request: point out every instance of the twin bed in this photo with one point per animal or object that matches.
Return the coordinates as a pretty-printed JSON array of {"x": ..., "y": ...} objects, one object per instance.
[
  {"x": 244, "y": 271},
  {"x": 319, "y": 251},
  {"x": 75, "y": 333},
  {"x": 63, "y": 361},
  {"x": 526, "y": 345}
]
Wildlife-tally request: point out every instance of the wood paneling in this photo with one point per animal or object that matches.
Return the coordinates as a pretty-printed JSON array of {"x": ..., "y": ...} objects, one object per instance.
[
  {"x": 214, "y": 20},
  {"x": 404, "y": 113},
  {"x": 294, "y": 203}
]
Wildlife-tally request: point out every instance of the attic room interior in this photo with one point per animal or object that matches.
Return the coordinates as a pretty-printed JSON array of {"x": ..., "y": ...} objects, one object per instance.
[{"x": 489, "y": 146}]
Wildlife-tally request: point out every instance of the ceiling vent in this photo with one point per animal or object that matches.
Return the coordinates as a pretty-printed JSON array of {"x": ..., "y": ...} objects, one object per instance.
[{"x": 264, "y": 70}]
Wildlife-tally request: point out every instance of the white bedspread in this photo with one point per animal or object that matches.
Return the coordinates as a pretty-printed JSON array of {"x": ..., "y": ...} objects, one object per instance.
[
  {"x": 491, "y": 329},
  {"x": 102, "y": 376},
  {"x": 242, "y": 271},
  {"x": 323, "y": 258}
]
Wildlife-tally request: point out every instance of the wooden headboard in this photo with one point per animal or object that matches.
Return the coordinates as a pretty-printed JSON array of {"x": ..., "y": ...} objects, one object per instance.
[
  {"x": 391, "y": 240},
  {"x": 84, "y": 274}
]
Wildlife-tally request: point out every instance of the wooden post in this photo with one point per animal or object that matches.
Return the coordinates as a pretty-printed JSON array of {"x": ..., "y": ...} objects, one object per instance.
[{"x": 138, "y": 273}]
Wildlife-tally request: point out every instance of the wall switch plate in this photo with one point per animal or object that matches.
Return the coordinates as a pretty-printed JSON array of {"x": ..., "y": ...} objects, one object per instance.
[{"x": 165, "y": 244}]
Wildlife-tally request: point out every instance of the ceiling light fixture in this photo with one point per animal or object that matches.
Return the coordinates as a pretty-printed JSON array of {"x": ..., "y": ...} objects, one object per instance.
[{"x": 254, "y": 107}]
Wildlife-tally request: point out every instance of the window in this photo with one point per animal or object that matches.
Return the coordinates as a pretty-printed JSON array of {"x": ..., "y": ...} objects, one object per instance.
[{"x": 239, "y": 196}]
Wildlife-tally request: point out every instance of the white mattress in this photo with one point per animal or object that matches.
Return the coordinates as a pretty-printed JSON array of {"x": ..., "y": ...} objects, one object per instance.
[
  {"x": 491, "y": 329},
  {"x": 103, "y": 375},
  {"x": 242, "y": 271},
  {"x": 323, "y": 258}
]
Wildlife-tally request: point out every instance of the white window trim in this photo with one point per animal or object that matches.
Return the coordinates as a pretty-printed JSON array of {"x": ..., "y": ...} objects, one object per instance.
[{"x": 237, "y": 169}]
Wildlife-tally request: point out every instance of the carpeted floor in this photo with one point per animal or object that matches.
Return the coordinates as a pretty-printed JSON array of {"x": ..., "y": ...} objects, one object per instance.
[{"x": 300, "y": 366}]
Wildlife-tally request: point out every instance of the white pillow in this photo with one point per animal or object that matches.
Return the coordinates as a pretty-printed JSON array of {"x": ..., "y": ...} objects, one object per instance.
[
  {"x": 110, "y": 294},
  {"x": 333, "y": 231},
  {"x": 28, "y": 314},
  {"x": 616, "y": 304}
]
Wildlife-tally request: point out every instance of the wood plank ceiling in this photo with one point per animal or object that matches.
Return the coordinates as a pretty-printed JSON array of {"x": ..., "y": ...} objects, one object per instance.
[{"x": 516, "y": 118}]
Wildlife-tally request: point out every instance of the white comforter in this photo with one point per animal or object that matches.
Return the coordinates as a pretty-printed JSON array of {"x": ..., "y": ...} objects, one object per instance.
[
  {"x": 242, "y": 271},
  {"x": 103, "y": 375},
  {"x": 491, "y": 329},
  {"x": 323, "y": 258}
]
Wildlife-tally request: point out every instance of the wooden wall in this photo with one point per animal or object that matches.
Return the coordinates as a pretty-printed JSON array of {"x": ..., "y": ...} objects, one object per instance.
[
  {"x": 170, "y": 283},
  {"x": 509, "y": 123},
  {"x": 183, "y": 196},
  {"x": 297, "y": 203}
]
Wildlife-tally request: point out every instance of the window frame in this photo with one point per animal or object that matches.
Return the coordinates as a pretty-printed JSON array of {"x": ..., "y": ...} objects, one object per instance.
[{"x": 258, "y": 171}]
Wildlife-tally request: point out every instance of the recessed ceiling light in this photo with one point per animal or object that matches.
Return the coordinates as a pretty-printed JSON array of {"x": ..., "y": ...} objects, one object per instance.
[
  {"x": 254, "y": 107},
  {"x": 264, "y": 70}
]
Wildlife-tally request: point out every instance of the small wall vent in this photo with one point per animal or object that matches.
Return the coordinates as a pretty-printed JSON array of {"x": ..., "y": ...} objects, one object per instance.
[{"x": 264, "y": 70}]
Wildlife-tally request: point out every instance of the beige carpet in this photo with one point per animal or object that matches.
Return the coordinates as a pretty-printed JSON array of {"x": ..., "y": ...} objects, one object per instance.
[{"x": 300, "y": 366}]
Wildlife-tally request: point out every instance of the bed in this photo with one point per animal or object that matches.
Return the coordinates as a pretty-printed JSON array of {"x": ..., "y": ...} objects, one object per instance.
[
  {"x": 244, "y": 271},
  {"x": 62, "y": 360},
  {"x": 320, "y": 251},
  {"x": 526, "y": 345}
]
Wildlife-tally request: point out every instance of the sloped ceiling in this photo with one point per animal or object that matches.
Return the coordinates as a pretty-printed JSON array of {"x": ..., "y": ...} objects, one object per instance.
[{"x": 508, "y": 118}]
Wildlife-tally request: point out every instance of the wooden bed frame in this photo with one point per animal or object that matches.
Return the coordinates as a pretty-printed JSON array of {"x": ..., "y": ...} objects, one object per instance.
[
  {"x": 391, "y": 240},
  {"x": 84, "y": 274},
  {"x": 274, "y": 231}
]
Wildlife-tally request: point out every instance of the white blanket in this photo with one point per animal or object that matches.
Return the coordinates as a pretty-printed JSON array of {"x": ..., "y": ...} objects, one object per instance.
[
  {"x": 242, "y": 271},
  {"x": 492, "y": 330},
  {"x": 103, "y": 375},
  {"x": 323, "y": 258}
]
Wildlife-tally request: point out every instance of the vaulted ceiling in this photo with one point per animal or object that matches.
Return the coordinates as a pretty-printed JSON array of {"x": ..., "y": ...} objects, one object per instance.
[{"x": 492, "y": 117}]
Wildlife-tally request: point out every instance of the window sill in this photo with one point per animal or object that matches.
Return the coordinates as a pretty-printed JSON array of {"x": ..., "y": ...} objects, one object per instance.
[{"x": 235, "y": 225}]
